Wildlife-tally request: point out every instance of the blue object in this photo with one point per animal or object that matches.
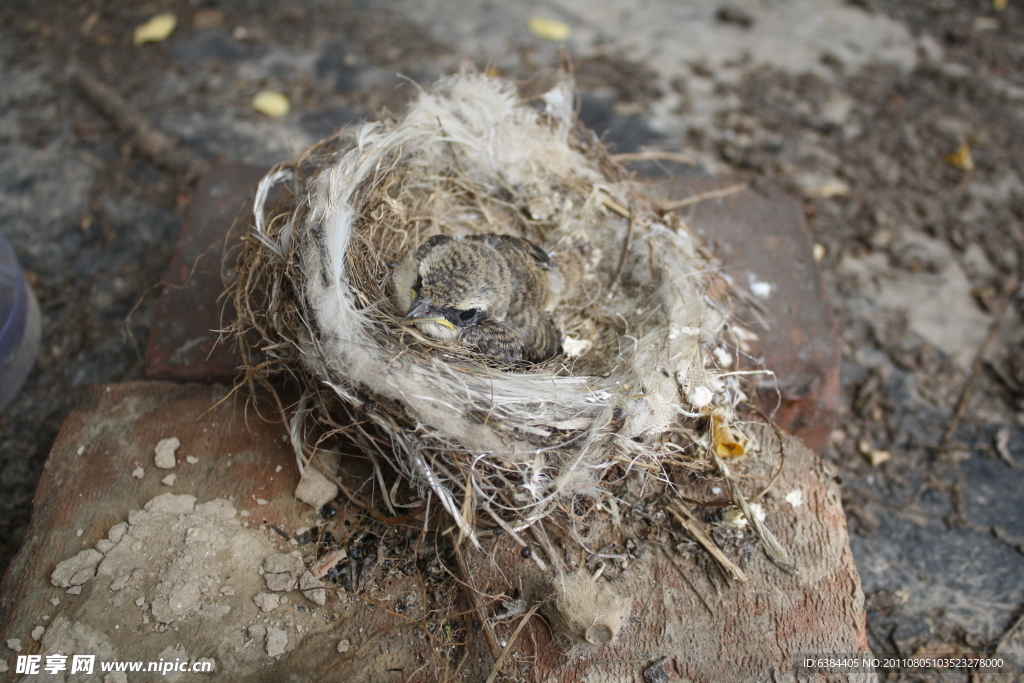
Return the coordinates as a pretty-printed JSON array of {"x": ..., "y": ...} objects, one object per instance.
[{"x": 20, "y": 325}]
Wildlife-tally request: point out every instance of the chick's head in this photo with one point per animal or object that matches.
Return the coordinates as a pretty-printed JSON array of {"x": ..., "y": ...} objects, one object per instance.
[{"x": 449, "y": 285}]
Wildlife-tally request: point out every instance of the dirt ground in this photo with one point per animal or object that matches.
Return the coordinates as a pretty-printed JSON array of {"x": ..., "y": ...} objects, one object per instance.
[{"x": 921, "y": 241}]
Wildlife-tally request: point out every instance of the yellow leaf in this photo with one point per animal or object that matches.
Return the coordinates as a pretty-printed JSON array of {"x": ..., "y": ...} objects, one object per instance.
[
  {"x": 271, "y": 103},
  {"x": 729, "y": 443},
  {"x": 549, "y": 29},
  {"x": 961, "y": 159},
  {"x": 155, "y": 30},
  {"x": 999, "y": 5}
]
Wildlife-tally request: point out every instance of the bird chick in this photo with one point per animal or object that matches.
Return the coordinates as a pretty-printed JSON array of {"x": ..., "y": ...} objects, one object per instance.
[{"x": 490, "y": 292}]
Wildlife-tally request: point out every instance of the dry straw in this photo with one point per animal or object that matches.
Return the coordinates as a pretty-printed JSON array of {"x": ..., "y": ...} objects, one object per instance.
[{"x": 495, "y": 446}]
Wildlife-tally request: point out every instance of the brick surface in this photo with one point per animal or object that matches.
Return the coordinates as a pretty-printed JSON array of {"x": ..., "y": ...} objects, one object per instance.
[
  {"x": 182, "y": 342},
  {"x": 705, "y": 632}
]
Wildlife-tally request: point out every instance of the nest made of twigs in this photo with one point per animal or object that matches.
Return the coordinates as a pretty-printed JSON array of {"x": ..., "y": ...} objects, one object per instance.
[{"x": 314, "y": 296}]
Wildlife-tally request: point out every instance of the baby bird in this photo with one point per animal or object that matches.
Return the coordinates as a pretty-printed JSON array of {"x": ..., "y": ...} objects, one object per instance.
[{"x": 491, "y": 292}]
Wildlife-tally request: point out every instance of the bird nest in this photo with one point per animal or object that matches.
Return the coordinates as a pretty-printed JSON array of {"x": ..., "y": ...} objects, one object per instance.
[{"x": 494, "y": 445}]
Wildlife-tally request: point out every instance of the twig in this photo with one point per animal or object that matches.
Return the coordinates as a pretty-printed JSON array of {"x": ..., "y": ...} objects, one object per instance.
[
  {"x": 689, "y": 583},
  {"x": 615, "y": 206},
  {"x": 993, "y": 330},
  {"x": 625, "y": 254},
  {"x": 691, "y": 524},
  {"x": 782, "y": 452},
  {"x": 772, "y": 547},
  {"x": 511, "y": 641},
  {"x": 665, "y": 207},
  {"x": 160, "y": 148},
  {"x": 1002, "y": 445},
  {"x": 653, "y": 155},
  {"x": 1009, "y": 633},
  {"x": 544, "y": 542},
  {"x": 1009, "y": 539}
]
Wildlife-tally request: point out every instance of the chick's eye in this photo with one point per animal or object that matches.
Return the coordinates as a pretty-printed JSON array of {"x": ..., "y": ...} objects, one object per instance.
[{"x": 466, "y": 316}]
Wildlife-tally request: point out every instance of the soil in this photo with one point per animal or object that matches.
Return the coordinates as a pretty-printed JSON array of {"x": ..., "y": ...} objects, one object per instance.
[{"x": 919, "y": 247}]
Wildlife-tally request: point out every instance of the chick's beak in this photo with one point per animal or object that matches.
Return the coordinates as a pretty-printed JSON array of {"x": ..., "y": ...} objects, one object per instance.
[{"x": 422, "y": 312}]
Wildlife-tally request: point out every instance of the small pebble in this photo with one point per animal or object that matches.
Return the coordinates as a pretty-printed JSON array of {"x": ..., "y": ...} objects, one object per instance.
[
  {"x": 54, "y": 601},
  {"x": 81, "y": 449},
  {"x": 169, "y": 479},
  {"x": 343, "y": 645},
  {"x": 79, "y": 533},
  {"x": 138, "y": 473},
  {"x": 37, "y": 633},
  {"x": 191, "y": 459},
  {"x": 14, "y": 644}
]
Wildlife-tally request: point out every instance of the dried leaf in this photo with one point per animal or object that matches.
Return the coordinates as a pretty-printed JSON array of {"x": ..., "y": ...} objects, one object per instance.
[
  {"x": 961, "y": 159},
  {"x": 729, "y": 443},
  {"x": 271, "y": 103},
  {"x": 549, "y": 29},
  {"x": 155, "y": 30},
  {"x": 1002, "y": 443},
  {"x": 874, "y": 455},
  {"x": 829, "y": 189}
]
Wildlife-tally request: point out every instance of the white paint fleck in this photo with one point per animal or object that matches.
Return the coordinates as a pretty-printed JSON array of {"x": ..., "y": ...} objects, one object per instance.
[
  {"x": 760, "y": 288},
  {"x": 165, "y": 450}
]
